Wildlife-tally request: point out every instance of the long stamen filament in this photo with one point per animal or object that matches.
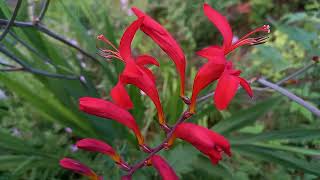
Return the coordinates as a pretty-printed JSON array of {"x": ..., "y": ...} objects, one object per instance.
[
  {"x": 104, "y": 39},
  {"x": 264, "y": 28}
]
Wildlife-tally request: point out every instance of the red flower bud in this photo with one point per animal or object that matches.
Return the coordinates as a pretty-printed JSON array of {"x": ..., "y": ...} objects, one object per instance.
[
  {"x": 163, "y": 168},
  {"x": 95, "y": 145},
  {"x": 79, "y": 168},
  {"x": 108, "y": 110}
]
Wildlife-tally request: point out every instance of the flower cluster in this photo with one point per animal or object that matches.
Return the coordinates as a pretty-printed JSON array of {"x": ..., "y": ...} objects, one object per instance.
[{"x": 137, "y": 74}]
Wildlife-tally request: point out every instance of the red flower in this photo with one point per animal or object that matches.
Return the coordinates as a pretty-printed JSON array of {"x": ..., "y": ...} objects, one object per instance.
[
  {"x": 166, "y": 42},
  {"x": 135, "y": 72},
  {"x": 108, "y": 110},
  {"x": 205, "y": 140},
  {"x": 79, "y": 168},
  {"x": 95, "y": 145},
  {"x": 229, "y": 77},
  {"x": 163, "y": 168}
]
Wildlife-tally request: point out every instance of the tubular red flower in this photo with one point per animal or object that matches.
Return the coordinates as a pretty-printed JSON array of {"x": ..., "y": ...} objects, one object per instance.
[
  {"x": 166, "y": 42},
  {"x": 229, "y": 80},
  {"x": 108, "y": 110},
  {"x": 135, "y": 73},
  {"x": 95, "y": 145},
  {"x": 163, "y": 168},
  {"x": 208, "y": 142},
  {"x": 79, "y": 168},
  {"x": 208, "y": 73}
]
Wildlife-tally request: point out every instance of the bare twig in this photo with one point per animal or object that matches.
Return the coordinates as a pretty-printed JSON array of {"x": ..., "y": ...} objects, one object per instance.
[
  {"x": 291, "y": 96},
  {"x": 297, "y": 73},
  {"x": 30, "y": 48},
  {"x": 27, "y": 68},
  {"x": 43, "y": 10},
  {"x": 11, "y": 21},
  {"x": 52, "y": 34}
]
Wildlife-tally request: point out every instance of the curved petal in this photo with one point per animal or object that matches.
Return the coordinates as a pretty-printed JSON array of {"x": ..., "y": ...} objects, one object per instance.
[
  {"x": 246, "y": 86},
  {"x": 166, "y": 42},
  {"x": 149, "y": 73},
  {"x": 108, "y": 110},
  {"x": 208, "y": 73},
  {"x": 205, "y": 140},
  {"x": 143, "y": 60},
  {"x": 210, "y": 52},
  {"x": 221, "y": 23},
  {"x": 147, "y": 85},
  {"x": 95, "y": 145},
  {"x": 126, "y": 40},
  {"x": 226, "y": 89},
  {"x": 164, "y": 169},
  {"x": 120, "y": 96},
  {"x": 79, "y": 168}
]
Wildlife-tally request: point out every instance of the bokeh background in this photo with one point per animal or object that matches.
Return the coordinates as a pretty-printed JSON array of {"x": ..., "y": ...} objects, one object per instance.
[{"x": 271, "y": 136}]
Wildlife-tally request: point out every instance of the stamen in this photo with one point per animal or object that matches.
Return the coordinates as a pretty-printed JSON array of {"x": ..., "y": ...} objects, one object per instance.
[
  {"x": 104, "y": 39},
  {"x": 249, "y": 41},
  {"x": 264, "y": 28}
]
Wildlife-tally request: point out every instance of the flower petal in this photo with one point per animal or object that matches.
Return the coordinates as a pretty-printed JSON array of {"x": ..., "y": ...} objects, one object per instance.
[
  {"x": 164, "y": 169},
  {"x": 208, "y": 73},
  {"x": 126, "y": 40},
  {"x": 149, "y": 73},
  {"x": 205, "y": 140},
  {"x": 226, "y": 89},
  {"x": 146, "y": 84},
  {"x": 120, "y": 96},
  {"x": 95, "y": 145},
  {"x": 221, "y": 23},
  {"x": 246, "y": 86},
  {"x": 77, "y": 167},
  {"x": 210, "y": 52},
  {"x": 143, "y": 60},
  {"x": 166, "y": 42},
  {"x": 108, "y": 110}
]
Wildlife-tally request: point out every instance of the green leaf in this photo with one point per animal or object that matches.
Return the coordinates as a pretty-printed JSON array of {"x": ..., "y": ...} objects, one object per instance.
[
  {"x": 285, "y": 159},
  {"x": 245, "y": 117}
]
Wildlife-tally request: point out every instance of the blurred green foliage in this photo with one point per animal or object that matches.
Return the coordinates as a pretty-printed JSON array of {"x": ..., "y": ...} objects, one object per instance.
[{"x": 271, "y": 137}]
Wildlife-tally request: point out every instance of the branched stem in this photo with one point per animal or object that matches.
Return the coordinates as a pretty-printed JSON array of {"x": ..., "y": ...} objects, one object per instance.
[{"x": 185, "y": 115}]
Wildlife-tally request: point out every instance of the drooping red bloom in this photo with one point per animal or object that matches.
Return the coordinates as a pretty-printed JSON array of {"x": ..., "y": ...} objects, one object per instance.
[
  {"x": 164, "y": 169},
  {"x": 135, "y": 72},
  {"x": 229, "y": 77},
  {"x": 95, "y": 145},
  {"x": 208, "y": 142},
  {"x": 79, "y": 168},
  {"x": 108, "y": 110},
  {"x": 166, "y": 42}
]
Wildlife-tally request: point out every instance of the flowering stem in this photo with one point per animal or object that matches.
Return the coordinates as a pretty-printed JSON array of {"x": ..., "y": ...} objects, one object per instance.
[
  {"x": 185, "y": 115},
  {"x": 291, "y": 96}
]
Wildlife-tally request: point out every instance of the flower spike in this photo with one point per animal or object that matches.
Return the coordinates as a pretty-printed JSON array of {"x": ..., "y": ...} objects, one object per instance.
[
  {"x": 108, "y": 110},
  {"x": 165, "y": 170},
  {"x": 208, "y": 142},
  {"x": 79, "y": 168},
  {"x": 166, "y": 42},
  {"x": 95, "y": 145}
]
